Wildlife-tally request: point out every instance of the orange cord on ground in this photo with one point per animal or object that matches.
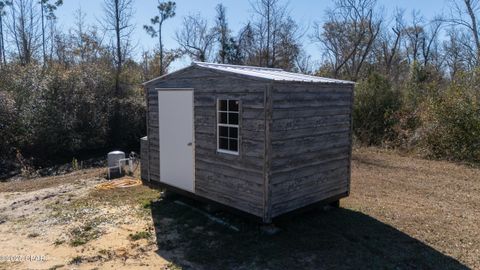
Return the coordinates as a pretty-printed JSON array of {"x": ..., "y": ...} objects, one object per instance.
[{"x": 120, "y": 183}]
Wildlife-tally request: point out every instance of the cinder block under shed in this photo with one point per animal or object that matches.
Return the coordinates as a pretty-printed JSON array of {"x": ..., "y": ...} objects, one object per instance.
[{"x": 261, "y": 140}]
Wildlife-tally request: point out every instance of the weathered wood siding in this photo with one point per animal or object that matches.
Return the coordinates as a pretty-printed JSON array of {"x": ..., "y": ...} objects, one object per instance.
[
  {"x": 311, "y": 144},
  {"x": 236, "y": 181}
]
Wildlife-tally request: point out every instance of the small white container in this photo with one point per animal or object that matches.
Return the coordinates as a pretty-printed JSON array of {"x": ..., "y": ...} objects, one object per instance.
[{"x": 113, "y": 158}]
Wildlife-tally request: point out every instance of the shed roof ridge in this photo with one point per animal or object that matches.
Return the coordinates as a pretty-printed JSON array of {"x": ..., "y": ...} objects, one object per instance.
[
  {"x": 236, "y": 66},
  {"x": 275, "y": 74}
]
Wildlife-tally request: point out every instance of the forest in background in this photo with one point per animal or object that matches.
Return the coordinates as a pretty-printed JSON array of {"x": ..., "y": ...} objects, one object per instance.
[{"x": 76, "y": 92}]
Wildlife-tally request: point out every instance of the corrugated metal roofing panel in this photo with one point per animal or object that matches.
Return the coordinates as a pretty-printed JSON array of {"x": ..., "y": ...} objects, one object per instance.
[{"x": 269, "y": 73}]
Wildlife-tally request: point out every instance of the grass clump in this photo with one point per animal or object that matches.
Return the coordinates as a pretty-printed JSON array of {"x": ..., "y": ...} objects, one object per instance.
[
  {"x": 83, "y": 234},
  {"x": 33, "y": 235},
  {"x": 172, "y": 266},
  {"x": 55, "y": 267},
  {"x": 76, "y": 260},
  {"x": 59, "y": 242},
  {"x": 140, "y": 235}
]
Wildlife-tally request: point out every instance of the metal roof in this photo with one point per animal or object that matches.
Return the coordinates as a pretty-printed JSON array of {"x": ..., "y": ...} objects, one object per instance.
[{"x": 269, "y": 73}]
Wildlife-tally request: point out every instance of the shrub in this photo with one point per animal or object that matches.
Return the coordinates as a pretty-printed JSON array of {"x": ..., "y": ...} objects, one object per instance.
[
  {"x": 8, "y": 125},
  {"x": 452, "y": 122},
  {"x": 59, "y": 112},
  {"x": 375, "y": 103},
  {"x": 140, "y": 235}
]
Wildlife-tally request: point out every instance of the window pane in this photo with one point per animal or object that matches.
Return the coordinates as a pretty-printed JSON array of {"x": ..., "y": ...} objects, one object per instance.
[
  {"x": 223, "y": 131},
  {"x": 222, "y": 105},
  {"x": 233, "y": 105},
  {"x": 233, "y": 145},
  {"x": 222, "y": 118},
  {"x": 233, "y": 118},
  {"x": 233, "y": 133},
  {"x": 223, "y": 143}
]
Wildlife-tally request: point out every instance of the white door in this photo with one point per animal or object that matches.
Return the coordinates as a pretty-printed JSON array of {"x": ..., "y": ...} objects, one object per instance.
[{"x": 175, "y": 116}]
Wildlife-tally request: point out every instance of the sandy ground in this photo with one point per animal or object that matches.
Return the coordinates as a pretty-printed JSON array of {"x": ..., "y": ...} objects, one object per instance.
[
  {"x": 403, "y": 213},
  {"x": 38, "y": 221}
]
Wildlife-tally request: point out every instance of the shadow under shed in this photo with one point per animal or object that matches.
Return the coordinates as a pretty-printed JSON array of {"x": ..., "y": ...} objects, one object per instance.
[{"x": 334, "y": 239}]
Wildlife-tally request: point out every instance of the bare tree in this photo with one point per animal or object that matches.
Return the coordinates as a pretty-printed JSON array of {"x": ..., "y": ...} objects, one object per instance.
[
  {"x": 47, "y": 12},
  {"x": 270, "y": 15},
  {"x": 389, "y": 42},
  {"x": 3, "y": 13},
  {"x": 196, "y": 38},
  {"x": 166, "y": 10},
  {"x": 454, "y": 52},
  {"x": 304, "y": 63},
  {"x": 223, "y": 33},
  {"x": 430, "y": 41},
  {"x": 24, "y": 29},
  {"x": 348, "y": 35},
  {"x": 245, "y": 43},
  {"x": 414, "y": 37},
  {"x": 464, "y": 13},
  {"x": 118, "y": 16},
  {"x": 286, "y": 47},
  {"x": 79, "y": 32}
]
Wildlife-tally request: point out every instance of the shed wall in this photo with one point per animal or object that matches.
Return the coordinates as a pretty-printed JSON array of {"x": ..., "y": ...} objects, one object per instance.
[
  {"x": 236, "y": 181},
  {"x": 311, "y": 144}
]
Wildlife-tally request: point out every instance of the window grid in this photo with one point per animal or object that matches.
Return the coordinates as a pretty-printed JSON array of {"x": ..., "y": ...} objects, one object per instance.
[{"x": 228, "y": 114}]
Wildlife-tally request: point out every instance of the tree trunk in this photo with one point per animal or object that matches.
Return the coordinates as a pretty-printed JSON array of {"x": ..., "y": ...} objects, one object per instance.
[
  {"x": 268, "y": 34},
  {"x": 116, "y": 129},
  {"x": 2, "y": 46},
  {"x": 119, "y": 49},
  {"x": 15, "y": 32},
  {"x": 474, "y": 29},
  {"x": 161, "y": 46},
  {"x": 43, "y": 32}
]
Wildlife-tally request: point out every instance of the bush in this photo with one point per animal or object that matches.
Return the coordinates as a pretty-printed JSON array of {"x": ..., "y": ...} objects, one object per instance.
[
  {"x": 452, "y": 122},
  {"x": 56, "y": 113},
  {"x": 8, "y": 125},
  {"x": 375, "y": 103}
]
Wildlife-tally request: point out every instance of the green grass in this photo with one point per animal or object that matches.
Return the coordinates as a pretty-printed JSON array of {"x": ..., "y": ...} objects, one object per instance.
[
  {"x": 81, "y": 235},
  {"x": 139, "y": 196},
  {"x": 59, "y": 242},
  {"x": 140, "y": 235}
]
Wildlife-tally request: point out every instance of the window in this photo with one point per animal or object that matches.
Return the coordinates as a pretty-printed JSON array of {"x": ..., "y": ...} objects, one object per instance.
[{"x": 227, "y": 125}]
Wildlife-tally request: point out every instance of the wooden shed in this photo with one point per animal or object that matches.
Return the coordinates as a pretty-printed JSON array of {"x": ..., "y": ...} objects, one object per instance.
[{"x": 261, "y": 140}]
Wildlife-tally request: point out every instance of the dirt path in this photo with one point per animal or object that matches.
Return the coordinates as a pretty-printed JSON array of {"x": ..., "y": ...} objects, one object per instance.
[{"x": 403, "y": 213}]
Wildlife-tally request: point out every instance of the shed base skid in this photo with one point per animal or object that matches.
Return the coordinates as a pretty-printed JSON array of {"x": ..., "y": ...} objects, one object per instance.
[{"x": 333, "y": 201}]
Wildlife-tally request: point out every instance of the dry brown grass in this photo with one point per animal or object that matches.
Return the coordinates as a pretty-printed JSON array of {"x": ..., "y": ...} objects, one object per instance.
[
  {"x": 33, "y": 184},
  {"x": 436, "y": 202}
]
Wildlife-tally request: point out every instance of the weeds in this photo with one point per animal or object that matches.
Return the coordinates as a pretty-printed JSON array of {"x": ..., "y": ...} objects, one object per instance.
[
  {"x": 75, "y": 165},
  {"x": 83, "y": 234},
  {"x": 172, "y": 266},
  {"x": 55, "y": 267},
  {"x": 140, "y": 235},
  {"x": 33, "y": 235},
  {"x": 76, "y": 260},
  {"x": 59, "y": 242}
]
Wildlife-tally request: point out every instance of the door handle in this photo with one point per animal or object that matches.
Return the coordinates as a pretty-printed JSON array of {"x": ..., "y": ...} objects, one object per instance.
[{"x": 189, "y": 144}]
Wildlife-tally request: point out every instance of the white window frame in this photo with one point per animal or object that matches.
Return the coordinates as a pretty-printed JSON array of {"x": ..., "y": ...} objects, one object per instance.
[{"x": 218, "y": 111}]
